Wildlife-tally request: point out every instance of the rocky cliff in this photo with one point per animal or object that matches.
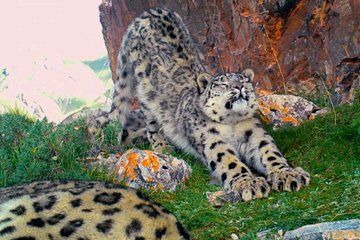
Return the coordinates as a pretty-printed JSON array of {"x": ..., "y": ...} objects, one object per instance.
[{"x": 294, "y": 46}]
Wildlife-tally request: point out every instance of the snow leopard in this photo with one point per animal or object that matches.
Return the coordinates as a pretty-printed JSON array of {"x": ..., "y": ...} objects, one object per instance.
[
  {"x": 212, "y": 116},
  {"x": 82, "y": 210}
]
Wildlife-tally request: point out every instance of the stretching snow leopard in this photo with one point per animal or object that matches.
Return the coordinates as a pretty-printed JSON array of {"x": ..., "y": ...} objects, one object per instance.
[{"x": 212, "y": 117}]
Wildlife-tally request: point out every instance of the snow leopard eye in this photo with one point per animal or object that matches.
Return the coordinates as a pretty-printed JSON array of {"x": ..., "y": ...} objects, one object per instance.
[{"x": 221, "y": 86}]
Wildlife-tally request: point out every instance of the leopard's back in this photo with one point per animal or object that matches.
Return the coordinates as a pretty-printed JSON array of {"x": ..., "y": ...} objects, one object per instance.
[
  {"x": 157, "y": 62},
  {"x": 83, "y": 210}
]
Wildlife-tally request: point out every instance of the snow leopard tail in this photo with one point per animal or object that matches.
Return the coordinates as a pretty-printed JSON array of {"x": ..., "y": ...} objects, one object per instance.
[{"x": 125, "y": 85}]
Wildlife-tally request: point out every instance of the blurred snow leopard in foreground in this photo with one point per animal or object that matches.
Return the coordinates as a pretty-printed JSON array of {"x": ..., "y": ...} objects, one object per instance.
[{"x": 212, "y": 117}]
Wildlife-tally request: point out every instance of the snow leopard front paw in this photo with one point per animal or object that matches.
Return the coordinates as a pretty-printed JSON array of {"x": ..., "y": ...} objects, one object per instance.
[
  {"x": 288, "y": 179},
  {"x": 250, "y": 187}
]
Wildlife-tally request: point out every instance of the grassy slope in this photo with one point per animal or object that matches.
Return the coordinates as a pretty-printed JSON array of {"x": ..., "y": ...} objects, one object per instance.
[{"x": 331, "y": 153}]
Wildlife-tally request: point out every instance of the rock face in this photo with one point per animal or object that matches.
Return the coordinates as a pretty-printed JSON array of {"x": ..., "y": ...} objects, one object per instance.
[{"x": 293, "y": 46}]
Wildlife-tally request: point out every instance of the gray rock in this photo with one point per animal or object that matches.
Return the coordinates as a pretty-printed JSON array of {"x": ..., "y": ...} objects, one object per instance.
[
  {"x": 284, "y": 110},
  {"x": 145, "y": 169},
  {"x": 348, "y": 229}
]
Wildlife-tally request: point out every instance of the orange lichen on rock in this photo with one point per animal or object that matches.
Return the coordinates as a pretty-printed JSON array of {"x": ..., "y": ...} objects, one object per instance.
[
  {"x": 132, "y": 163},
  {"x": 290, "y": 119},
  {"x": 264, "y": 108},
  {"x": 146, "y": 169},
  {"x": 150, "y": 161},
  {"x": 287, "y": 109},
  {"x": 263, "y": 92}
]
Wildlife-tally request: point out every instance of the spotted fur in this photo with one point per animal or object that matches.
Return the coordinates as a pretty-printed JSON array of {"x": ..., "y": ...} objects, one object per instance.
[
  {"x": 212, "y": 117},
  {"x": 83, "y": 210}
]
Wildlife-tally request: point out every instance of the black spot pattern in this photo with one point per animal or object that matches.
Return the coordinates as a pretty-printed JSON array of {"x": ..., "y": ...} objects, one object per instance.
[
  {"x": 108, "y": 199},
  {"x": 76, "y": 203},
  {"x": 111, "y": 211},
  {"x": 86, "y": 210},
  {"x": 179, "y": 49},
  {"x": 213, "y": 165},
  {"x": 172, "y": 35},
  {"x": 248, "y": 135},
  {"x": 231, "y": 151},
  {"x": 5, "y": 220},
  {"x": 71, "y": 227},
  {"x": 123, "y": 59},
  {"x": 36, "y": 222},
  {"x": 20, "y": 210},
  {"x": 105, "y": 226},
  {"x": 124, "y": 74},
  {"x": 213, "y": 145},
  {"x": 56, "y": 219},
  {"x": 219, "y": 156},
  {"x": 77, "y": 191},
  {"x": 263, "y": 143},
  {"x": 232, "y": 165},
  {"x": 182, "y": 231},
  {"x": 164, "y": 210},
  {"x": 243, "y": 170},
  {"x": 223, "y": 177},
  {"x": 7, "y": 230},
  {"x": 133, "y": 227},
  {"x": 124, "y": 135},
  {"x": 271, "y": 158},
  {"x": 148, "y": 210},
  {"x": 236, "y": 175},
  {"x": 278, "y": 154},
  {"x": 25, "y": 238},
  {"x": 148, "y": 70},
  {"x": 214, "y": 131},
  {"x": 160, "y": 232},
  {"x": 142, "y": 196},
  {"x": 39, "y": 207}
]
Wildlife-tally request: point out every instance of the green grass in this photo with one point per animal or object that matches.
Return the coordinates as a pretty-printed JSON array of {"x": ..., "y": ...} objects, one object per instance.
[
  {"x": 32, "y": 150},
  {"x": 67, "y": 105}
]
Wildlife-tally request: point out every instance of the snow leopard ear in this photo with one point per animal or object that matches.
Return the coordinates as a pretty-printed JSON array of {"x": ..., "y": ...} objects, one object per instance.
[
  {"x": 249, "y": 74},
  {"x": 202, "y": 81}
]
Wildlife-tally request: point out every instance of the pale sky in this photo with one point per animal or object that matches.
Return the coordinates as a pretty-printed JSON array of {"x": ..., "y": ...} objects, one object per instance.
[
  {"x": 36, "y": 36},
  {"x": 58, "y": 29}
]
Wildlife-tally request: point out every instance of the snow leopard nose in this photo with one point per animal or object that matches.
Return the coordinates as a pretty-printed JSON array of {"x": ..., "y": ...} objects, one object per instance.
[
  {"x": 244, "y": 94},
  {"x": 240, "y": 92}
]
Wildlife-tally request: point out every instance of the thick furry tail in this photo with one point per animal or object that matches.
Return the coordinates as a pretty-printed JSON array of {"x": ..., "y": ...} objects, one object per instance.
[
  {"x": 124, "y": 91},
  {"x": 122, "y": 97},
  {"x": 125, "y": 84}
]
